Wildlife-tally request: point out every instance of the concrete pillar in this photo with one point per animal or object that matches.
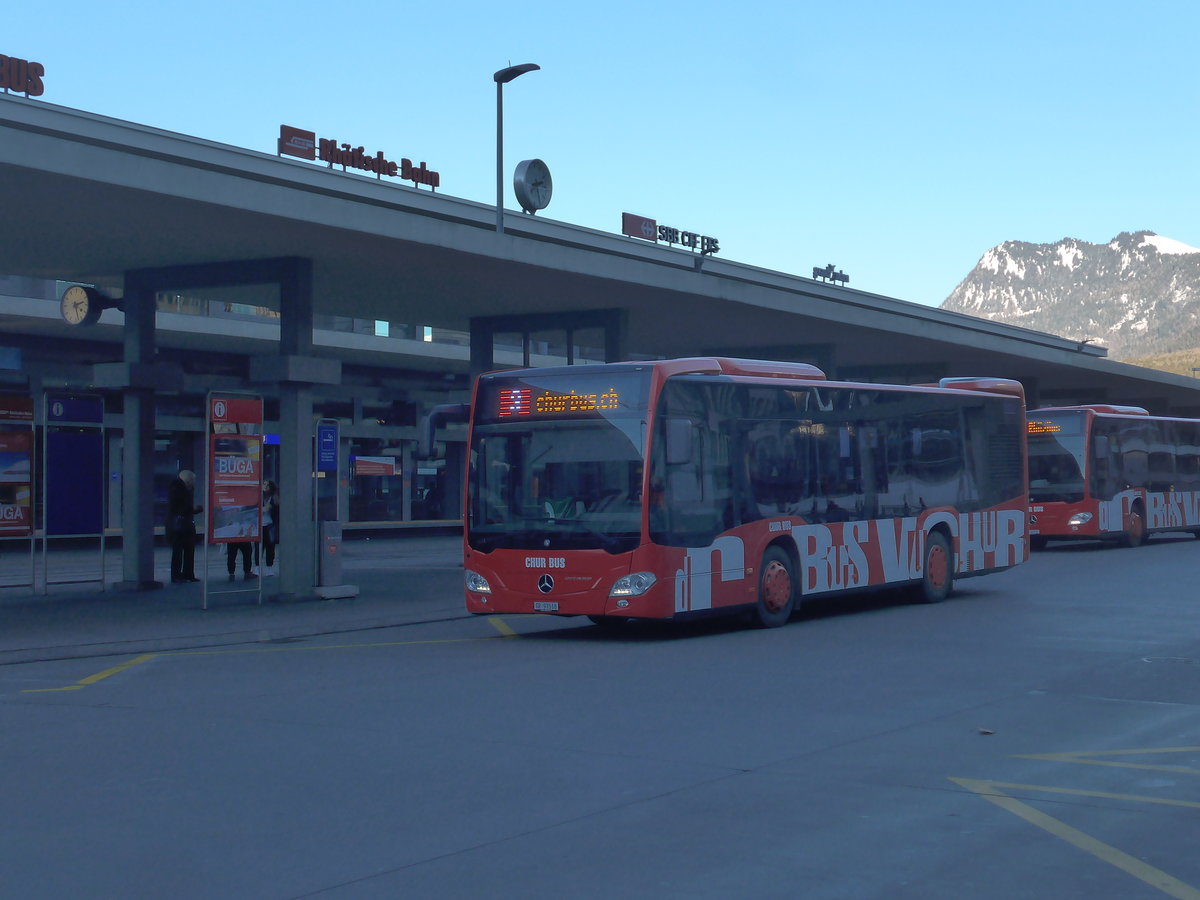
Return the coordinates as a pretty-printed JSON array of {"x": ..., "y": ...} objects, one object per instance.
[
  {"x": 408, "y": 480},
  {"x": 297, "y": 530},
  {"x": 137, "y": 463}
]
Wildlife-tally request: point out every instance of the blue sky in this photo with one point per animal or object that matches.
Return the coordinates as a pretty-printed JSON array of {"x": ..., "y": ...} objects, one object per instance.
[{"x": 898, "y": 141}]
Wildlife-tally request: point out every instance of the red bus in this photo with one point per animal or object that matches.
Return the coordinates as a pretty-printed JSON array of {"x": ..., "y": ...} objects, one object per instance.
[
  {"x": 681, "y": 488},
  {"x": 1115, "y": 473}
]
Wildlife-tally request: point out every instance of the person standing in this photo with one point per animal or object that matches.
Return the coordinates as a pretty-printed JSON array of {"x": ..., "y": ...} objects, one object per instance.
[
  {"x": 270, "y": 523},
  {"x": 231, "y": 554},
  {"x": 181, "y": 526}
]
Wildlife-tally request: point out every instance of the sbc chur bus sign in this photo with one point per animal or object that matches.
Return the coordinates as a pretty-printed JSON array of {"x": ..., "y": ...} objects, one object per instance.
[
  {"x": 649, "y": 230},
  {"x": 22, "y": 76}
]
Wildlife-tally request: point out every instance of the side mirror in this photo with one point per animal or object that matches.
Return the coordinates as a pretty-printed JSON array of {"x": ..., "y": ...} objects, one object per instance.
[
  {"x": 447, "y": 412},
  {"x": 679, "y": 441}
]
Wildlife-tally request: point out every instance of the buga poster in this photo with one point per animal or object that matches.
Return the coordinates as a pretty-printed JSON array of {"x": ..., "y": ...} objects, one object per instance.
[
  {"x": 235, "y": 488},
  {"x": 16, "y": 479}
]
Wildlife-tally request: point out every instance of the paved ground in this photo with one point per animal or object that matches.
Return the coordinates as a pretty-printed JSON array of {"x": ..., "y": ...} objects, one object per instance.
[{"x": 401, "y": 580}]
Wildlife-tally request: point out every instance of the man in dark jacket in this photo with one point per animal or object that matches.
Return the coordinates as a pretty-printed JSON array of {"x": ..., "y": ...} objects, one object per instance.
[{"x": 181, "y": 526}]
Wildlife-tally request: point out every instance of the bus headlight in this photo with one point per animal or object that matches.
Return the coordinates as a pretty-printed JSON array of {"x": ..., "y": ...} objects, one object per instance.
[
  {"x": 633, "y": 585},
  {"x": 1080, "y": 519},
  {"x": 476, "y": 582}
]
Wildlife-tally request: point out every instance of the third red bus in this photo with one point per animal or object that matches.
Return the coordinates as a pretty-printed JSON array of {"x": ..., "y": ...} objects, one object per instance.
[{"x": 1115, "y": 473}]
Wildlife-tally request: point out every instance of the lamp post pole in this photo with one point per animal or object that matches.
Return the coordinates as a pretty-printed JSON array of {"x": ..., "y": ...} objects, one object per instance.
[{"x": 503, "y": 77}]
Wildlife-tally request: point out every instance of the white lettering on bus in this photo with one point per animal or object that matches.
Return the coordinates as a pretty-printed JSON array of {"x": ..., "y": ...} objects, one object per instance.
[
  {"x": 860, "y": 554},
  {"x": 726, "y": 557},
  {"x": 898, "y": 550},
  {"x": 830, "y": 561},
  {"x": 542, "y": 562},
  {"x": 1174, "y": 510},
  {"x": 828, "y": 566}
]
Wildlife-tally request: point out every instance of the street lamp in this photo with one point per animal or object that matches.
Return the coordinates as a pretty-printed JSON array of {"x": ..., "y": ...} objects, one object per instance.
[{"x": 503, "y": 77}]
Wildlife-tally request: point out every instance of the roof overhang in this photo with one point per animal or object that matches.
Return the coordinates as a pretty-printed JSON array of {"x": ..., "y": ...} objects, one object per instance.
[{"x": 99, "y": 197}]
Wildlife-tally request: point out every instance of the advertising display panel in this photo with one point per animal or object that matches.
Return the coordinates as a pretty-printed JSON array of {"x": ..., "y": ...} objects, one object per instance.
[
  {"x": 235, "y": 470},
  {"x": 235, "y": 488},
  {"x": 16, "y": 495},
  {"x": 16, "y": 466},
  {"x": 233, "y": 507}
]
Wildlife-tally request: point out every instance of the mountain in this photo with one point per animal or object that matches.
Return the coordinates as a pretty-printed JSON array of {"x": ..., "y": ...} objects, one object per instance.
[{"x": 1139, "y": 294}]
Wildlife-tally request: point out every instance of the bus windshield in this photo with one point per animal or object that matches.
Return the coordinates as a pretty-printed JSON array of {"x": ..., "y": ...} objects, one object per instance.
[
  {"x": 556, "y": 462},
  {"x": 1057, "y": 457}
]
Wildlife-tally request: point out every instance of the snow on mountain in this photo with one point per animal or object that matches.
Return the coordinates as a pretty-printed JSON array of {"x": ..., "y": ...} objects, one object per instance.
[
  {"x": 1137, "y": 294},
  {"x": 1166, "y": 245}
]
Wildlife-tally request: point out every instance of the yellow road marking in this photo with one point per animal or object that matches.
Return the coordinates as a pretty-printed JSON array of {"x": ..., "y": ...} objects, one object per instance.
[
  {"x": 92, "y": 679},
  {"x": 1088, "y": 759},
  {"x": 506, "y": 632},
  {"x": 294, "y": 649},
  {"x": 1075, "y": 792},
  {"x": 501, "y": 626},
  {"x": 990, "y": 791}
]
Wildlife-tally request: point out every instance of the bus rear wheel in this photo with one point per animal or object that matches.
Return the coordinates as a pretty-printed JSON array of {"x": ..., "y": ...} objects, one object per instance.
[
  {"x": 776, "y": 589},
  {"x": 937, "y": 577},
  {"x": 1135, "y": 531}
]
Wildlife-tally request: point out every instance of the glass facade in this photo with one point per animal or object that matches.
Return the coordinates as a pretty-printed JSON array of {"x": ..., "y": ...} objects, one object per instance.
[{"x": 378, "y": 408}]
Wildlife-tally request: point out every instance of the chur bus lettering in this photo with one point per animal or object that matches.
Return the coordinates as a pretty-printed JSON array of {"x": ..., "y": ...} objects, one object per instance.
[{"x": 22, "y": 76}]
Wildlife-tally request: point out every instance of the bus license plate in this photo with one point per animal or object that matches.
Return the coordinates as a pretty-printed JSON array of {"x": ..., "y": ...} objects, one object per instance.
[{"x": 545, "y": 606}]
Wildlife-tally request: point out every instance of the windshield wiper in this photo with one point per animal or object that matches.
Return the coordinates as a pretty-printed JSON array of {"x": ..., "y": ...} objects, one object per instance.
[{"x": 607, "y": 541}]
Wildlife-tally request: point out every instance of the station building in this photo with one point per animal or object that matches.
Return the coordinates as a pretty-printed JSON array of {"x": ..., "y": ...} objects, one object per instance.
[{"x": 337, "y": 291}]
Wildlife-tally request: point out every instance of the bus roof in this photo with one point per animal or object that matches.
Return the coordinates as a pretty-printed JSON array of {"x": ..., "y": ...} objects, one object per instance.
[
  {"x": 1106, "y": 409},
  {"x": 762, "y": 368}
]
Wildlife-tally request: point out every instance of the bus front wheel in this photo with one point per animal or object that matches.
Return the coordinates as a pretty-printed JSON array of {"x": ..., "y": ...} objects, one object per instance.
[
  {"x": 776, "y": 589},
  {"x": 1135, "y": 531},
  {"x": 937, "y": 578}
]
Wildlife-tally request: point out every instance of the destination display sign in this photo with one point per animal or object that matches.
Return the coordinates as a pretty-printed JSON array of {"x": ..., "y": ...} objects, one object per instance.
[
  {"x": 1066, "y": 426},
  {"x": 1044, "y": 427},
  {"x": 583, "y": 396},
  {"x": 527, "y": 402}
]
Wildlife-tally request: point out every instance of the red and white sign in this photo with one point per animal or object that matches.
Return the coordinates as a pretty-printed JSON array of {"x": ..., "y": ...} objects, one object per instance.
[
  {"x": 297, "y": 142},
  {"x": 237, "y": 410},
  {"x": 16, "y": 510},
  {"x": 639, "y": 227},
  {"x": 374, "y": 465},
  {"x": 16, "y": 408}
]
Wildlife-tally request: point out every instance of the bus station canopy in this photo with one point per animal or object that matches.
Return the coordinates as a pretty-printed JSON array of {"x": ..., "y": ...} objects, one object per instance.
[{"x": 88, "y": 198}]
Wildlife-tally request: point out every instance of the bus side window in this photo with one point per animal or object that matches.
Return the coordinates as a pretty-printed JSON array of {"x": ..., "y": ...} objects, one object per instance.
[
  {"x": 1162, "y": 456},
  {"x": 1135, "y": 464},
  {"x": 1106, "y": 477},
  {"x": 697, "y": 485},
  {"x": 679, "y": 441},
  {"x": 1187, "y": 462}
]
